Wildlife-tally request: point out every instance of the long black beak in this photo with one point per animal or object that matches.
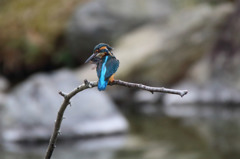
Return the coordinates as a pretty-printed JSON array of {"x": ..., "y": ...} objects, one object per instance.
[{"x": 92, "y": 56}]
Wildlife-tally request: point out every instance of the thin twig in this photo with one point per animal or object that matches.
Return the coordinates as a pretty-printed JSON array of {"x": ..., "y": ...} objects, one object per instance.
[
  {"x": 149, "y": 88},
  {"x": 86, "y": 85}
]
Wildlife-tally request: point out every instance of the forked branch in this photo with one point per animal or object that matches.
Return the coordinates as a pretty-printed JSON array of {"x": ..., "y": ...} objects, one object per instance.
[{"x": 86, "y": 85}]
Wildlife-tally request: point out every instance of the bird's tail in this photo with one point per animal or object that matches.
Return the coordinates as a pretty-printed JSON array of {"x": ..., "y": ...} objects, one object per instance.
[{"x": 102, "y": 84}]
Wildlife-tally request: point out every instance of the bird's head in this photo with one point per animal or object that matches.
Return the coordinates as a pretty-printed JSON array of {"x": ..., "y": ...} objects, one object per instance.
[{"x": 99, "y": 52}]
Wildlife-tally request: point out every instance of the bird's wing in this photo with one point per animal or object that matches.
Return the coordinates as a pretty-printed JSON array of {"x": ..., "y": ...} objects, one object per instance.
[
  {"x": 112, "y": 66},
  {"x": 99, "y": 69}
]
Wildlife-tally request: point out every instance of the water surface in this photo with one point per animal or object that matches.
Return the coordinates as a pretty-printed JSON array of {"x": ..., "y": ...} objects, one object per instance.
[{"x": 199, "y": 132}]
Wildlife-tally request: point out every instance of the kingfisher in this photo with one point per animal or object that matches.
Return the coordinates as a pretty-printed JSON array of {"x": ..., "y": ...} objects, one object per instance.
[{"x": 106, "y": 62}]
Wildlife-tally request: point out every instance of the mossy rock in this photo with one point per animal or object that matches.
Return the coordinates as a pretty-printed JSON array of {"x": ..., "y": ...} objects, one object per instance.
[{"x": 30, "y": 32}]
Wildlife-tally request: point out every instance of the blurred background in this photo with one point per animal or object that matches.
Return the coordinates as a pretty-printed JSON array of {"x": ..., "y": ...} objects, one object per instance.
[{"x": 187, "y": 44}]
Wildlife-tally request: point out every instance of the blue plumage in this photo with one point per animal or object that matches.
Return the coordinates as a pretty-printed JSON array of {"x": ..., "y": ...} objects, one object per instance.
[
  {"x": 105, "y": 69},
  {"x": 102, "y": 83},
  {"x": 106, "y": 62}
]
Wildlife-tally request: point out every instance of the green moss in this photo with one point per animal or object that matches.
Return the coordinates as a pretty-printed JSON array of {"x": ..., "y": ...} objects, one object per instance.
[
  {"x": 48, "y": 18},
  {"x": 63, "y": 57},
  {"x": 29, "y": 29},
  {"x": 31, "y": 53}
]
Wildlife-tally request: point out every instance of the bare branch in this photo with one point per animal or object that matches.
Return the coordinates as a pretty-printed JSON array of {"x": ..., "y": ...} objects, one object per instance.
[
  {"x": 149, "y": 88},
  {"x": 62, "y": 94},
  {"x": 86, "y": 85}
]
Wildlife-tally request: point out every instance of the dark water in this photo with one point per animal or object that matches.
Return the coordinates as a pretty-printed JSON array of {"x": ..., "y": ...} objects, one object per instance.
[{"x": 199, "y": 132}]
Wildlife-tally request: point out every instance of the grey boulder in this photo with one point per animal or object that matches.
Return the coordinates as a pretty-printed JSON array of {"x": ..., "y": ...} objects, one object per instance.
[{"x": 31, "y": 108}]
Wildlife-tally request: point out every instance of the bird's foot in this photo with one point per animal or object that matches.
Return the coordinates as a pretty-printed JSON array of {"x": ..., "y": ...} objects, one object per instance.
[{"x": 111, "y": 79}]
